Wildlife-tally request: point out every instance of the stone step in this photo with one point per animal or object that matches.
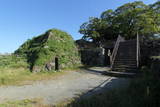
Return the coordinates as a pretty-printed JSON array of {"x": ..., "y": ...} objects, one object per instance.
[
  {"x": 127, "y": 48},
  {"x": 128, "y": 56},
  {"x": 125, "y": 45},
  {"x": 132, "y": 42},
  {"x": 127, "y": 64},
  {"x": 120, "y": 74},
  {"x": 123, "y": 49},
  {"x": 122, "y": 55},
  {"x": 125, "y": 70},
  {"x": 122, "y": 65},
  {"x": 125, "y": 59},
  {"x": 129, "y": 41},
  {"x": 127, "y": 67},
  {"x": 126, "y": 51},
  {"x": 128, "y": 44}
]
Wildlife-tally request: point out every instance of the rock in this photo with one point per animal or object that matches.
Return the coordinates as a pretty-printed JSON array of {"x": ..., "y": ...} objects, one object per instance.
[
  {"x": 46, "y": 47},
  {"x": 36, "y": 69},
  {"x": 50, "y": 66}
]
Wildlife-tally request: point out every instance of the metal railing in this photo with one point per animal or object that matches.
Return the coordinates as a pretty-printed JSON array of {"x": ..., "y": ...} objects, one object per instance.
[{"x": 115, "y": 50}]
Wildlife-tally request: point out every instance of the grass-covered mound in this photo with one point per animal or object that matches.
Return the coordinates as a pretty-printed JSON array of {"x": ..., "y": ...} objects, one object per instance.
[{"x": 42, "y": 50}]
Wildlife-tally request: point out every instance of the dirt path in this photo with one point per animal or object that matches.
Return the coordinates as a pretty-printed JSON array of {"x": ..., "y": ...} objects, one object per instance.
[{"x": 68, "y": 86}]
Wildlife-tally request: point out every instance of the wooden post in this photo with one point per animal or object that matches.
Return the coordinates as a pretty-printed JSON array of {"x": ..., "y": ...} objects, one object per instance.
[{"x": 137, "y": 50}]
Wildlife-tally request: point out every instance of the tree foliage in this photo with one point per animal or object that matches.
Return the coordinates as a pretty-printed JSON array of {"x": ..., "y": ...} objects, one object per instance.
[{"x": 126, "y": 21}]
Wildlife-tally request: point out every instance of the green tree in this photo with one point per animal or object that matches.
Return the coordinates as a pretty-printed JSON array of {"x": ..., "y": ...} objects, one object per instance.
[
  {"x": 135, "y": 17},
  {"x": 93, "y": 30},
  {"x": 126, "y": 21}
]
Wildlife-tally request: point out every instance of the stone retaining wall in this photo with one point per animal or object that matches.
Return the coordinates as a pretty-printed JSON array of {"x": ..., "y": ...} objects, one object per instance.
[
  {"x": 155, "y": 66},
  {"x": 94, "y": 57}
]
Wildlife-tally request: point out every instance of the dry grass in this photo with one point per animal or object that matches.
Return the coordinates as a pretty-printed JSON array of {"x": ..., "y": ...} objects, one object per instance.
[
  {"x": 25, "y": 103},
  {"x": 21, "y": 76},
  {"x": 36, "y": 102},
  {"x": 64, "y": 103}
]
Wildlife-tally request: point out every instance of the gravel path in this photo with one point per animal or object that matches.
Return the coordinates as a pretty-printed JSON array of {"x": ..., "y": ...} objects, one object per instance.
[{"x": 65, "y": 87}]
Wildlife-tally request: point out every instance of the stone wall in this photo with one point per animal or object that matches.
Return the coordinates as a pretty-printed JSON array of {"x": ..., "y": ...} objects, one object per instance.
[
  {"x": 149, "y": 49},
  {"x": 94, "y": 57},
  {"x": 155, "y": 66}
]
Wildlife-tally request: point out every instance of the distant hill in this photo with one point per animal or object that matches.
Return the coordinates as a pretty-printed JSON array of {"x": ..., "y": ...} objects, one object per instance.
[{"x": 42, "y": 50}]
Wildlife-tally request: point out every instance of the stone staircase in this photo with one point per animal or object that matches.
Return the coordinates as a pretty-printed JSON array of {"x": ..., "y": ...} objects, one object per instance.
[{"x": 125, "y": 59}]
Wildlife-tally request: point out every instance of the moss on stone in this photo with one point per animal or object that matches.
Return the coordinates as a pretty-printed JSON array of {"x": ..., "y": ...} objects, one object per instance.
[{"x": 42, "y": 50}]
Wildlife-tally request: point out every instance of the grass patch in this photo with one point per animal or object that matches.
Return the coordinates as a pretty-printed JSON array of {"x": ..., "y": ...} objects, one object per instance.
[
  {"x": 25, "y": 103},
  {"x": 155, "y": 57},
  {"x": 64, "y": 103},
  {"x": 21, "y": 76},
  {"x": 15, "y": 71}
]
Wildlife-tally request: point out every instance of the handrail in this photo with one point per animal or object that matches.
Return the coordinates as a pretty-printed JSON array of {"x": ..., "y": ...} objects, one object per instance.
[
  {"x": 138, "y": 51},
  {"x": 115, "y": 50}
]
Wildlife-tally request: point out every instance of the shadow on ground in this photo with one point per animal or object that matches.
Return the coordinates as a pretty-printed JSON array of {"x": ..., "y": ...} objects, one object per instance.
[
  {"x": 114, "y": 81},
  {"x": 89, "y": 70},
  {"x": 109, "y": 84},
  {"x": 107, "y": 71}
]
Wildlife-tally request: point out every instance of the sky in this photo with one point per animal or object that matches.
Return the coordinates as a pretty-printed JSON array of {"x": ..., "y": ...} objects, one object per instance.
[{"x": 23, "y": 19}]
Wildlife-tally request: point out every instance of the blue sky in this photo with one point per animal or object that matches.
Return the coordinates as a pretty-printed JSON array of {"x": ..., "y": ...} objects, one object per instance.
[{"x": 23, "y": 19}]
